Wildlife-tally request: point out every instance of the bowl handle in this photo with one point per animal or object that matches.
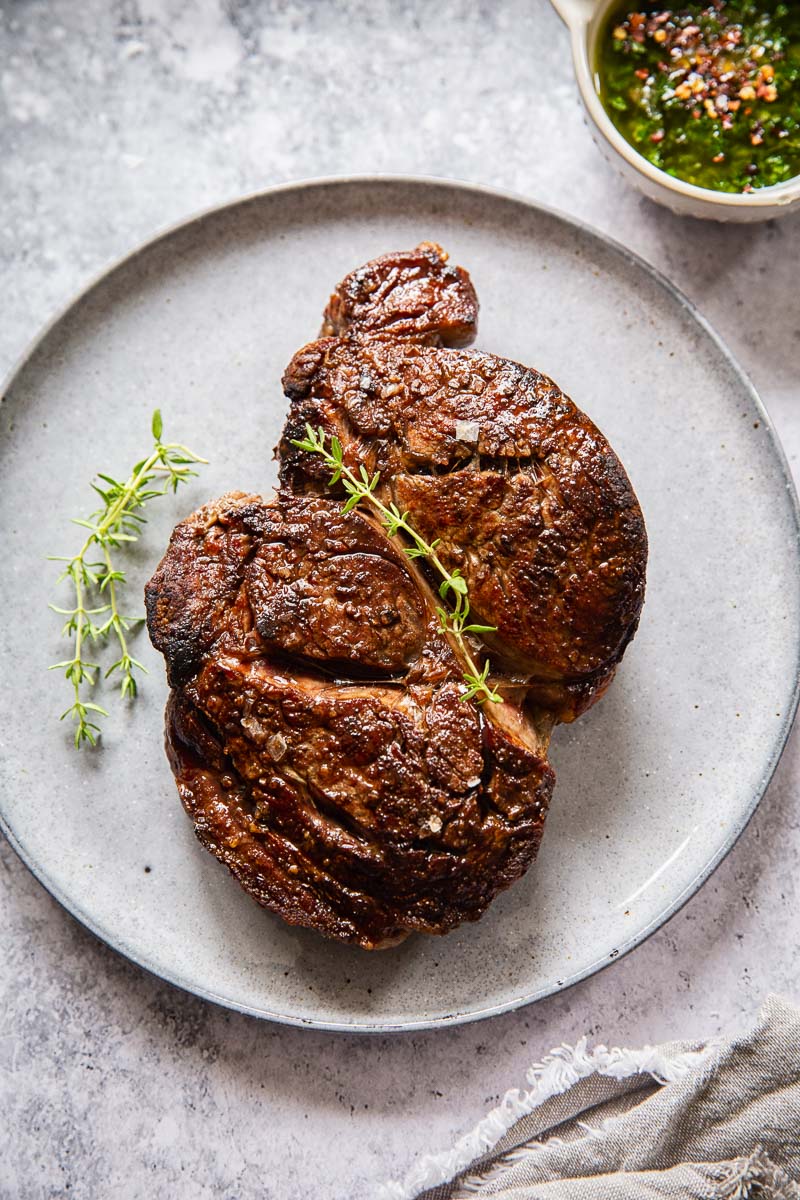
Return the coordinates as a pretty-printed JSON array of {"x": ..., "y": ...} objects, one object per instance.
[{"x": 574, "y": 13}]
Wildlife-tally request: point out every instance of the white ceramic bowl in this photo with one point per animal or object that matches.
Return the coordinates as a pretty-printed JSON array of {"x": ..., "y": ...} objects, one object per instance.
[{"x": 585, "y": 20}]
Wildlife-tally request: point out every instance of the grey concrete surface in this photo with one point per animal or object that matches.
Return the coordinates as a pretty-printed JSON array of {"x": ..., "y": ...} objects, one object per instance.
[{"x": 118, "y": 118}]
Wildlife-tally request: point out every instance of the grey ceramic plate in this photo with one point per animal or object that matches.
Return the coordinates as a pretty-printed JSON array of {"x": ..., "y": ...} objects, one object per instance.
[{"x": 654, "y": 784}]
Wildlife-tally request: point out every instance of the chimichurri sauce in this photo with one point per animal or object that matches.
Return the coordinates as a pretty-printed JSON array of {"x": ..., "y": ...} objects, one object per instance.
[{"x": 708, "y": 93}]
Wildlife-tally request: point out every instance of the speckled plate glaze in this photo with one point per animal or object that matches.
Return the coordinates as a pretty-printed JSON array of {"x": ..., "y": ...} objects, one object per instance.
[{"x": 654, "y": 784}]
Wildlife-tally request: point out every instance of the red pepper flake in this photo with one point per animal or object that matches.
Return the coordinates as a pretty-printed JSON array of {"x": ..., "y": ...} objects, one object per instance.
[
  {"x": 714, "y": 70},
  {"x": 718, "y": 158},
  {"x": 658, "y": 136}
]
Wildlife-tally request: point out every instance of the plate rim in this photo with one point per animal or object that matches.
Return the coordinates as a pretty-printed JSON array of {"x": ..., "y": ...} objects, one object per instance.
[{"x": 432, "y": 182}]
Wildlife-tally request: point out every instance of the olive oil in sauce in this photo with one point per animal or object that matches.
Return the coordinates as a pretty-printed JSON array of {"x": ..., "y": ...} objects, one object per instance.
[{"x": 708, "y": 93}]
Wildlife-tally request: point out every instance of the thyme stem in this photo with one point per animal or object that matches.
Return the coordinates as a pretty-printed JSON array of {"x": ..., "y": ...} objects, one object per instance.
[
  {"x": 117, "y": 522},
  {"x": 453, "y": 588},
  {"x": 116, "y": 622}
]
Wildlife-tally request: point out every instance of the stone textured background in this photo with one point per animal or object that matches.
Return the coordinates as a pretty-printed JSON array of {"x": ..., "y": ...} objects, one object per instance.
[{"x": 118, "y": 118}]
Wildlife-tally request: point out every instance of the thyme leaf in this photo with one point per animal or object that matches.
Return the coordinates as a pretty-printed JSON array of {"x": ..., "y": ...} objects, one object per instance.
[
  {"x": 96, "y": 616},
  {"x": 453, "y": 588}
]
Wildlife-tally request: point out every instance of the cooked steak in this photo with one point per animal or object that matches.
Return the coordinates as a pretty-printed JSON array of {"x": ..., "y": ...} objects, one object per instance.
[
  {"x": 317, "y": 727},
  {"x": 417, "y": 294},
  {"x": 526, "y": 495}
]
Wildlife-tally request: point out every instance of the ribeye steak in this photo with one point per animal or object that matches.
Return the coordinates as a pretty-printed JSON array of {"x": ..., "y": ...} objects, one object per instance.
[{"x": 316, "y": 725}]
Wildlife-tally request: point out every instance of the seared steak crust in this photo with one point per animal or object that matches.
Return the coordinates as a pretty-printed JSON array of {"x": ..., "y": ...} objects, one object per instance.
[
  {"x": 363, "y": 808},
  {"x": 316, "y": 726},
  {"x": 525, "y": 493},
  {"x": 415, "y": 294}
]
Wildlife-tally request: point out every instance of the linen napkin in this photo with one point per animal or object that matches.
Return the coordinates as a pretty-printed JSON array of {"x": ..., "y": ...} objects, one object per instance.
[{"x": 713, "y": 1121}]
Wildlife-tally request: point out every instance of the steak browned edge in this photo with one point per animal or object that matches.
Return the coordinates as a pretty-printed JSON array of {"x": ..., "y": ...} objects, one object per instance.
[{"x": 316, "y": 727}]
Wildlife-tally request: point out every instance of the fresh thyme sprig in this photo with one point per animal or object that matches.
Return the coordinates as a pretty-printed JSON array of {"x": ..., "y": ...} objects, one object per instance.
[
  {"x": 453, "y": 587},
  {"x": 117, "y": 522}
]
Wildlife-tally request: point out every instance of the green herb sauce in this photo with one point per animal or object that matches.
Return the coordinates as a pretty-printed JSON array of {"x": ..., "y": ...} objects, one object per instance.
[{"x": 708, "y": 93}]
